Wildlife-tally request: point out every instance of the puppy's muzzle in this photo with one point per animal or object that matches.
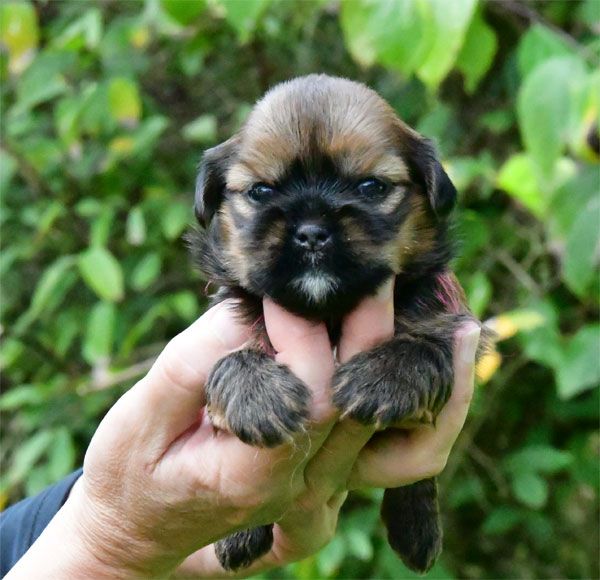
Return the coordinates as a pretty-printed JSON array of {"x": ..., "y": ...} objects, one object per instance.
[{"x": 312, "y": 236}]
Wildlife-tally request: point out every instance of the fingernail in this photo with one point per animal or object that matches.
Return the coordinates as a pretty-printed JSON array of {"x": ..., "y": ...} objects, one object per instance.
[
  {"x": 385, "y": 291},
  {"x": 468, "y": 344}
]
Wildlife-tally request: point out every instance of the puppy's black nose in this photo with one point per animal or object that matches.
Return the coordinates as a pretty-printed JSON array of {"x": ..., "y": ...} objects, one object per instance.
[{"x": 312, "y": 236}]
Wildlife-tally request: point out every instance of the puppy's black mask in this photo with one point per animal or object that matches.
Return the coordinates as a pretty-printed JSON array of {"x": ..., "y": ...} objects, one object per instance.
[{"x": 321, "y": 196}]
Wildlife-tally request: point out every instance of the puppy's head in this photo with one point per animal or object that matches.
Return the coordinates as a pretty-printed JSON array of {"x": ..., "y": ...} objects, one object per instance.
[{"x": 322, "y": 195}]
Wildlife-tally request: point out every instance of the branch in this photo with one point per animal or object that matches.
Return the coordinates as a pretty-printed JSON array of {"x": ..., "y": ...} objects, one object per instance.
[
  {"x": 104, "y": 378},
  {"x": 525, "y": 12}
]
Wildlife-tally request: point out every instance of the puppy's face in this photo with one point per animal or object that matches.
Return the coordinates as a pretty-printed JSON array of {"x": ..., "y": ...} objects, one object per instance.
[{"x": 320, "y": 197}]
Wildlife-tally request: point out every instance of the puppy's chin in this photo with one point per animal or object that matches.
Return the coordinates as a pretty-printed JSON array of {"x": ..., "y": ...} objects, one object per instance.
[
  {"x": 318, "y": 294},
  {"x": 315, "y": 287}
]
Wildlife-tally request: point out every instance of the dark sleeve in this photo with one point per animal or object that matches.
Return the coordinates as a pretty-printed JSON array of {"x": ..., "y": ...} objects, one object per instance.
[{"x": 22, "y": 523}]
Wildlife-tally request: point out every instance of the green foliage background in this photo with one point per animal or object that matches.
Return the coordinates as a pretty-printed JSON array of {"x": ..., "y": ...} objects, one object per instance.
[{"x": 106, "y": 107}]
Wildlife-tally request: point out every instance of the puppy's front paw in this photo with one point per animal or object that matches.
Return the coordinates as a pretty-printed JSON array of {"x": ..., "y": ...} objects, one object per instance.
[
  {"x": 405, "y": 379},
  {"x": 256, "y": 398}
]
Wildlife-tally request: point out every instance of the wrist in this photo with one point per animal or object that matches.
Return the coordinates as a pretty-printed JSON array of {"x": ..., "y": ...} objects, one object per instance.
[
  {"x": 79, "y": 542},
  {"x": 112, "y": 542}
]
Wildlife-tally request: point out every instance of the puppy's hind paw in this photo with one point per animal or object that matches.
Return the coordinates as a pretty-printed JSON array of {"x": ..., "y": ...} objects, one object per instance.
[
  {"x": 242, "y": 548},
  {"x": 411, "y": 516}
]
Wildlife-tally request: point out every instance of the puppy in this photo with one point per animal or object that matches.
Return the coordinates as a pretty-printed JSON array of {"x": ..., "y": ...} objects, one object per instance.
[{"x": 322, "y": 196}]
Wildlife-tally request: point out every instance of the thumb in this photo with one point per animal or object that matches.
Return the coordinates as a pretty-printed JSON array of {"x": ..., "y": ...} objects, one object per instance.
[{"x": 167, "y": 401}]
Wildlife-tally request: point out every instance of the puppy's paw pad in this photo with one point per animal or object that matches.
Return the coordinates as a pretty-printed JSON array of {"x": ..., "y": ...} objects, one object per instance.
[
  {"x": 257, "y": 399},
  {"x": 242, "y": 548}
]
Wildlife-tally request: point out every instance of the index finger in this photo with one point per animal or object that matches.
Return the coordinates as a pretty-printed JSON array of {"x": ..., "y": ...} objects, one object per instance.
[
  {"x": 304, "y": 347},
  {"x": 369, "y": 324}
]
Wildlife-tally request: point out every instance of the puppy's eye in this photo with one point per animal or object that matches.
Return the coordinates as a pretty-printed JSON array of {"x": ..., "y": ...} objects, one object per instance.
[
  {"x": 372, "y": 187},
  {"x": 260, "y": 191}
]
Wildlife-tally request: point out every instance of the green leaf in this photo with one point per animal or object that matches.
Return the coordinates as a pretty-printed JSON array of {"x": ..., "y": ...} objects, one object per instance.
[
  {"x": 468, "y": 171},
  {"x": 8, "y": 167},
  {"x": 395, "y": 33},
  {"x": 61, "y": 454},
  {"x": 19, "y": 34},
  {"x": 147, "y": 134},
  {"x": 538, "y": 45},
  {"x": 124, "y": 101},
  {"x": 479, "y": 293},
  {"x": 183, "y": 11},
  {"x": 102, "y": 273},
  {"x": 331, "y": 556},
  {"x": 146, "y": 271},
  {"x": 21, "y": 396},
  {"x": 28, "y": 454},
  {"x": 451, "y": 21},
  {"x": 10, "y": 353},
  {"x": 544, "y": 110},
  {"x": 201, "y": 130},
  {"x": 121, "y": 48},
  {"x": 85, "y": 31},
  {"x": 66, "y": 119},
  {"x": 501, "y": 520},
  {"x": 52, "y": 286},
  {"x": 359, "y": 544},
  {"x": 518, "y": 178},
  {"x": 186, "y": 305},
  {"x": 538, "y": 458},
  {"x": 580, "y": 367},
  {"x": 101, "y": 226},
  {"x": 543, "y": 343},
  {"x": 243, "y": 15},
  {"x": 568, "y": 200},
  {"x": 580, "y": 266},
  {"x": 43, "y": 80},
  {"x": 175, "y": 219},
  {"x": 530, "y": 489},
  {"x": 97, "y": 344},
  {"x": 477, "y": 53},
  {"x": 135, "y": 227}
]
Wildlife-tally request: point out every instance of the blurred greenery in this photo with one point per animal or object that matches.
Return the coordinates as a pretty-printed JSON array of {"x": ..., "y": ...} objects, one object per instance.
[{"x": 106, "y": 107}]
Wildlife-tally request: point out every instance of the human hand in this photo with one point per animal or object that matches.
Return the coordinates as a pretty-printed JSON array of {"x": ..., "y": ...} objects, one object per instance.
[
  {"x": 386, "y": 459},
  {"x": 128, "y": 516},
  {"x": 159, "y": 482}
]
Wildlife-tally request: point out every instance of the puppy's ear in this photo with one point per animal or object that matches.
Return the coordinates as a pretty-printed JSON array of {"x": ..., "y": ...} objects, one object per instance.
[
  {"x": 210, "y": 183},
  {"x": 427, "y": 171}
]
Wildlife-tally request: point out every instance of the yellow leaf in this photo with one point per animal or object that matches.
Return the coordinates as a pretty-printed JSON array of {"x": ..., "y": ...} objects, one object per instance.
[
  {"x": 488, "y": 365},
  {"x": 19, "y": 34},
  {"x": 508, "y": 324},
  {"x": 124, "y": 101},
  {"x": 121, "y": 145},
  {"x": 140, "y": 37}
]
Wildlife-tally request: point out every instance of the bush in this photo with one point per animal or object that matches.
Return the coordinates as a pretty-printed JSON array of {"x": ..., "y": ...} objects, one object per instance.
[{"x": 106, "y": 108}]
